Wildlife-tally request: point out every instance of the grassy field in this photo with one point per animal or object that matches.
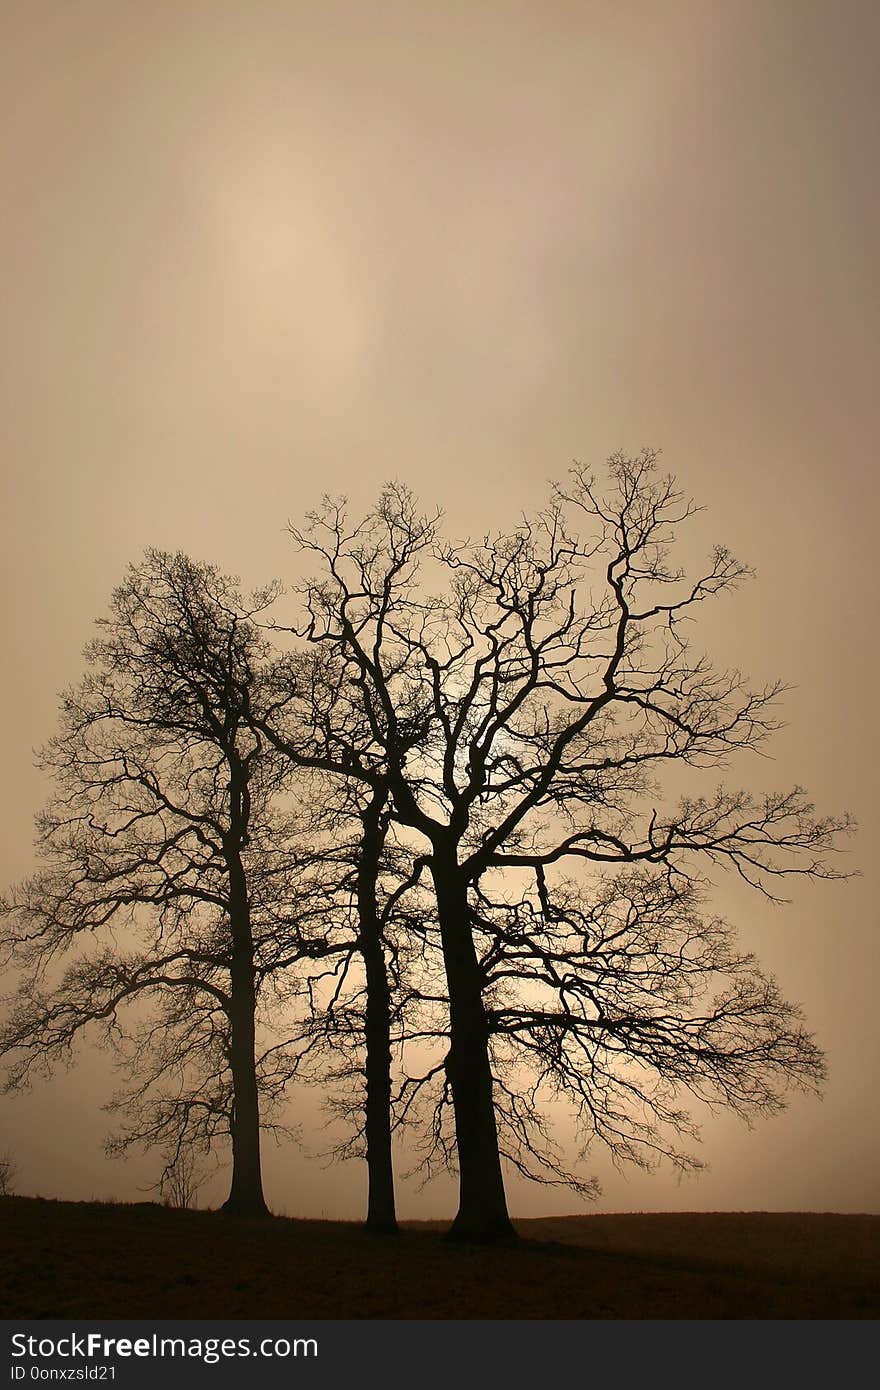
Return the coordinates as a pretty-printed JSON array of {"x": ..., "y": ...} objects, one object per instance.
[{"x": 88, "y": 1259}]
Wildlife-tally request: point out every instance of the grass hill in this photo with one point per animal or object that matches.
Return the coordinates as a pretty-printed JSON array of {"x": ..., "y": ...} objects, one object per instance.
[{"x": 93, "y": 1259}]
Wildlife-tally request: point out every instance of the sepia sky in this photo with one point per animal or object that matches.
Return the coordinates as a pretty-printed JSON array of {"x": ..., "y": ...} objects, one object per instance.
[{"x": 253, "y": 252}]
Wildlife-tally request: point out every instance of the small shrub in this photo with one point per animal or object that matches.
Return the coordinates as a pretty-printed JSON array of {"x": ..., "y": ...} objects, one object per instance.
[
  {"x": 8, "y": 1172},
  {"x": 181, "y": 1181}
]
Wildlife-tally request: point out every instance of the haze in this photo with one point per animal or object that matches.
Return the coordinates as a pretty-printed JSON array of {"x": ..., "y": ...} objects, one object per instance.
[{"x": 250, "y": 253}]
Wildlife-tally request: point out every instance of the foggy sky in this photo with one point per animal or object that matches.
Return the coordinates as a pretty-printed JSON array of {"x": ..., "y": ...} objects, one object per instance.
[{"x": 249, "y": 253}]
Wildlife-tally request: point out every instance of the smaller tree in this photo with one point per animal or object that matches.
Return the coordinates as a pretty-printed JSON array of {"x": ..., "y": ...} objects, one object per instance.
[
  {"x": 313, "y": 717},
  {"x": 167, "y": 856}
]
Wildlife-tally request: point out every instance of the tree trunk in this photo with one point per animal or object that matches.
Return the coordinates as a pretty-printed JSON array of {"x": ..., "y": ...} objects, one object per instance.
[
  {"x": 246, "y": 1191},
  {"x": 381, "y": 1215},
  {"x": 482, "y": 1211}
]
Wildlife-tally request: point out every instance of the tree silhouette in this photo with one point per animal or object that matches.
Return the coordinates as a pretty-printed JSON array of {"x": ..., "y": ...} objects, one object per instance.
[
  {"x": 319, "y": 726},
  {"x": 168, "y": 867},
  {"x": 365, "y": 994},
  {"x": 530, "y": 714}
]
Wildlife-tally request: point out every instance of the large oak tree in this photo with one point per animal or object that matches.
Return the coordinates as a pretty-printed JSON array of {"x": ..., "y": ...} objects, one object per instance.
[{"x": 530, "y": 694}]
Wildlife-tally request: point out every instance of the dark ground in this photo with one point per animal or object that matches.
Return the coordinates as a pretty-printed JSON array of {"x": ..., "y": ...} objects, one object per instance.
[{"x": 89, "y": 1259}]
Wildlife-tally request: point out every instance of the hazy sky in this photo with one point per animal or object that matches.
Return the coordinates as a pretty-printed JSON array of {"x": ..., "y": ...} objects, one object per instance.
[{"x": 252, "y": 252}]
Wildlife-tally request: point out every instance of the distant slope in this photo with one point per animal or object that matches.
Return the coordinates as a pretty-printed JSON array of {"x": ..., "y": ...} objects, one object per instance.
[{"x": 79, "y": 1260}]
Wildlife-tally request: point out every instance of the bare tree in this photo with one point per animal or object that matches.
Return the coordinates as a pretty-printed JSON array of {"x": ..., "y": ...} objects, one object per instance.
[
  {"x": 551, "y": 684},
  {"x": 367, "y": 1016},
  {"x": 315, "y": 722},
  {"x": 165, "y": 834}
]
